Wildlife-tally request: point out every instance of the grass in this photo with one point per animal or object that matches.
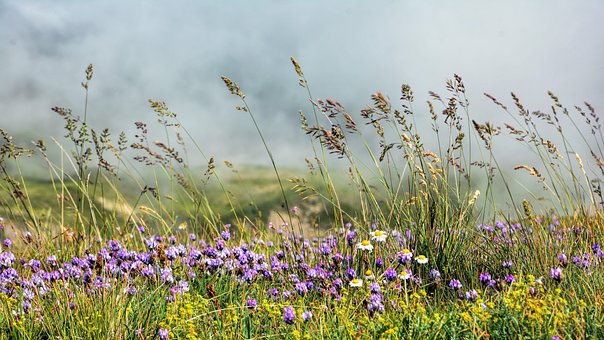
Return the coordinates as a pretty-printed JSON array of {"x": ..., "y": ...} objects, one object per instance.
[{"x": 415, "y": 239}]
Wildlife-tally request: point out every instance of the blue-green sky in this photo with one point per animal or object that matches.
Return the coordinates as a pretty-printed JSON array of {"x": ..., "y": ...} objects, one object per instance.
[{"x": 176, "y": 51}]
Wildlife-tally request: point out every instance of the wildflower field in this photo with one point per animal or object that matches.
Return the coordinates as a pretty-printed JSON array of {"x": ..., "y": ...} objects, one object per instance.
[{"x": 125, "y": 240}]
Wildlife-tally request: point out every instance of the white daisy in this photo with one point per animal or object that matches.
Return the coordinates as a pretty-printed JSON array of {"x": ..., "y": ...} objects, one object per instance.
[
  {"x": 379, "y": 236},
  {"x": 369, "y": 275},
  {"x": 421, "y": 259},
  {"x": 365, "y": 245},
  {"x": 356, "y": 283},
  {"x": 404, "y": 275}
]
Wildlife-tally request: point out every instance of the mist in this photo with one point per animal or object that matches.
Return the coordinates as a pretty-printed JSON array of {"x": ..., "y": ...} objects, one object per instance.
[{"x": 177, "y": 51}]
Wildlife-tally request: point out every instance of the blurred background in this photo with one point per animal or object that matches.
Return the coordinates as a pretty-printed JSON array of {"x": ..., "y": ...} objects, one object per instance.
[{"x": 176, "y": 52}]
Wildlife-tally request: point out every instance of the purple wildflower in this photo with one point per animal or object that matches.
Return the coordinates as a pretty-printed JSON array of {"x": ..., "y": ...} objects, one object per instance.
[
  {"x": 350, "y": 237},
  {"x": 130, "y": 290},
  {"x": 183, "y": 286},
  {"x": 577, "y": 260},
  {"x": 163, "y": 333},
  {"x": 51, "y": 261},
  {"x": 273, "y": 293},
  {"x": 597, "y": 250},
  {"x": 405, "y": 256},
  {"x": 390, "y": 274},
  {"x": 585, "y": 262},
  {"x": 34, "y": 265},
  {"x": 289, "y": 315},
  {"x": 252, "y": 304},
  {"x": 485, "y": 278},
  {"x": 374, "y": 287},
  {"x": 563, "y": 260},
  {"x": 166, "y": 275},
  {"x": 28, "y": 294},
  {"x": 311, "y": 273},
  {"x": 434, "y": 275},
  {"x": 487, "y": 228},
  {"x": 325, "y": 249},
  {"x": 151, "y": 243},
  {"x": 301, "y": 288},
  {"x": 307, "y": 315},
  {"x": 114, "y": 245},
  {"x": 455, "y": 284},
  {"x": 556, "y": 274},
  {"x": 510, "y": 279},
  {"x": 471, "y": 295},
  {"x": 98, "y": 282},
  {"x": 148, "y": 271},
  {"x": 375, "y": 303},
  {"x": 72, "y": 271},
  {"x": 249, "y": 275}
]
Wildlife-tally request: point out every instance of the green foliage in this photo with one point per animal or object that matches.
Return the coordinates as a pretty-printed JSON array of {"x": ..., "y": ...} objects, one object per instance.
[{"x": 448, "y": 197}]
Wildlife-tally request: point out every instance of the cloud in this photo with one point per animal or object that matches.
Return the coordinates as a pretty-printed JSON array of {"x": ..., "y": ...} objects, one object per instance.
[{"x": 177, "y": 52}]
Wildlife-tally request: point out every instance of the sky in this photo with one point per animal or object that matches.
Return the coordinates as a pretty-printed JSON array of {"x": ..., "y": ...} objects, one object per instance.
[{"x": 176, "y": 51}]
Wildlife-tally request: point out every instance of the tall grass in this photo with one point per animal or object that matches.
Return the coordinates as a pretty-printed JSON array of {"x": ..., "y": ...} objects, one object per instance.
[{"x": 443, "y": 194}]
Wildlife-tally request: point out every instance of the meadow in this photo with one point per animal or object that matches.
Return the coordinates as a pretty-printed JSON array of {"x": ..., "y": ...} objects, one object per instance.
[{"x": 416, "y": 234}]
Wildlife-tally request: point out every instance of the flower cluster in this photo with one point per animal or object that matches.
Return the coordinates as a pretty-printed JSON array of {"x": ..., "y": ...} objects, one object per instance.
[{"x": 291, "y": 269}]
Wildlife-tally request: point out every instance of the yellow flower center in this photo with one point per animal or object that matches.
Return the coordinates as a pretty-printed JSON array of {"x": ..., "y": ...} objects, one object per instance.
[
  {"x": 379, "y": 233},
  {"x": 368, "y": 272},
  {"x": 365, "y": 243},
  {"x": 421, "y": 257},
  {"x": 355, "y": 281},
  {"x": 405, "y": 251}
]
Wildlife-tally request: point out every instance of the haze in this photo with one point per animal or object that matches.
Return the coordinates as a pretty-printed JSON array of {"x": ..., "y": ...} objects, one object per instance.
[{"x": 176, "y": 52}]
